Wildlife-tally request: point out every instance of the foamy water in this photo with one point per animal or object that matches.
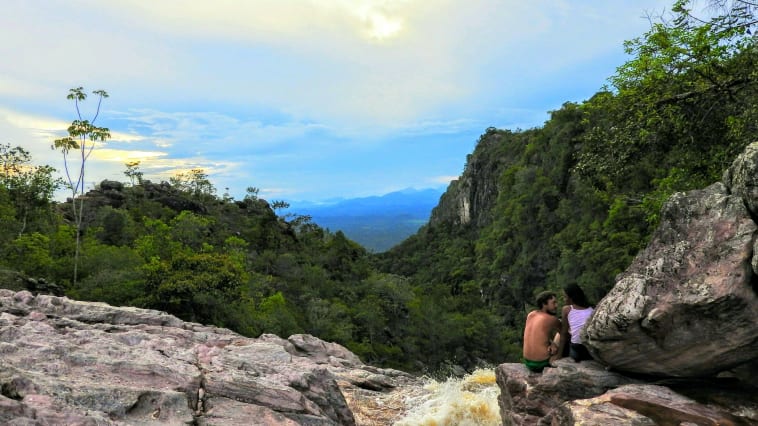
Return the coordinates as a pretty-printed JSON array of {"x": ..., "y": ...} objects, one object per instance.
[{"x": 468, "y": 401}]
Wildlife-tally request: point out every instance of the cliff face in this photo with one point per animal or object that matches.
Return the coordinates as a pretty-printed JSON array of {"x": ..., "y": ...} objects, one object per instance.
[{"x": 470, "y": 198}]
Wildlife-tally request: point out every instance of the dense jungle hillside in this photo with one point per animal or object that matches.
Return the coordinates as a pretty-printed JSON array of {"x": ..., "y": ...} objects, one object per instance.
[{"x": 571, "y": 201}]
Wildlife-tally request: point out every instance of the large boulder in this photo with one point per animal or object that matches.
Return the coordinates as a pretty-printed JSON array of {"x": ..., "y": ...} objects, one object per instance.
[
  {"x": 741, "y": 178},
  {"x": 687, "y": 305},
  {"x": 83, "y": 363}
]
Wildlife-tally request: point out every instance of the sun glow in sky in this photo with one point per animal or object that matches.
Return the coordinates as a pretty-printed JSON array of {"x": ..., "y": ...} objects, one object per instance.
[
  {"x": 303, "y": 99},
  {"x": 382, "y": 27}
]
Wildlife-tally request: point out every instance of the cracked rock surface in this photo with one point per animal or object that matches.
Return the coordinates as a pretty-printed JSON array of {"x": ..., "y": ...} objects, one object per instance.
[{"x": 85, "y": 363}]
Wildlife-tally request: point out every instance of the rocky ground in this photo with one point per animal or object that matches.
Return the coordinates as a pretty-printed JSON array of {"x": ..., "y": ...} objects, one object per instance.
[{"x": 82, "y": 363}]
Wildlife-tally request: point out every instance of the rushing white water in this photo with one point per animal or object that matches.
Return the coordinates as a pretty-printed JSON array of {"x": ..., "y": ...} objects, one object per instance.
[{"x": 468, "y": 401}]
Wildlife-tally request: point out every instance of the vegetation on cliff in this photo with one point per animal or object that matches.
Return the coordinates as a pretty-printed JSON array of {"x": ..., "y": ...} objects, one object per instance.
[{"x": 571, "y": 201}]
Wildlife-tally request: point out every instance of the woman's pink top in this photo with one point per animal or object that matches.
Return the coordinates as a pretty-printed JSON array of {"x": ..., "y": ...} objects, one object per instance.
[{"x": 576, "y": 319}]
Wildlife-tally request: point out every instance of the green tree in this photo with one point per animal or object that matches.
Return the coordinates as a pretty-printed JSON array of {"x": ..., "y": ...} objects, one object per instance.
[
  {"x": 7, "y": 217},
  {"x": 194, "y": 286},
  {"x": 194, "y": 182},
  {"x": 29, "y": 187},
  {"x": 277, "y": 316},
  {"x": 82, "y": 138},
  {"x": 133, "y": 173},
  {"x": 191, "y": 230},
  {"x": 114, "y": 226},
  {"x": 30, "y": 254},
  {"x": 685, "y": 101},
  {"x": 111, "y": 274}
]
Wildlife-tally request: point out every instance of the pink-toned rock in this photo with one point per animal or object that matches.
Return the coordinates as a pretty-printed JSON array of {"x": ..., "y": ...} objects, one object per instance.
[
  {"x": 82, "y": 363},
  {"x": 527, "y": 397},
  {"x": 647, "y": 404},
  {"x": 687, "y": 306},
  {"x": 587, "y": 394}
]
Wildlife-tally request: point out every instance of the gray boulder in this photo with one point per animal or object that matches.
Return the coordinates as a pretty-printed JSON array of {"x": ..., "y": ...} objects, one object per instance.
[
  {"x": 687, "y": 305},
  {"x": 741, "y": 178}
]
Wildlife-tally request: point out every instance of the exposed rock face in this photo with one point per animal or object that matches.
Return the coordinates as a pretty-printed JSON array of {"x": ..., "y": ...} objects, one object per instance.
[
  {"x": 742, "y": 177},
  {"x": 468, "y": 198},
  {"x": 649, "y": 404},
  {"x": 586, "y": 394},
  {"x": 688, "y": 304},
  {"x": 80, "y": 363}
]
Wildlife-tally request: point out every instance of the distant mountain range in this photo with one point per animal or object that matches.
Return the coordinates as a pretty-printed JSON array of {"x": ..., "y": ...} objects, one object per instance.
[{"x": 378, "y": 222}]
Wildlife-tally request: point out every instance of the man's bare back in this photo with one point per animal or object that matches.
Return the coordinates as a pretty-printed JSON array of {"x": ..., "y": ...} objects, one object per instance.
[{"x": 541, "y": 327}]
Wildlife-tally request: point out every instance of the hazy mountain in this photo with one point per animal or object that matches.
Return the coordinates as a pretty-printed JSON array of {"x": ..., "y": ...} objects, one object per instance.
[{"x": 378, "y": 222}]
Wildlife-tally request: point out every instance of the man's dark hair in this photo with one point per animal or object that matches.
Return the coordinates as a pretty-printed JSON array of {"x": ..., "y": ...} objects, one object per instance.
[
  {"x": 577, "y": 295},
  {"x": 543, "y": 297}
]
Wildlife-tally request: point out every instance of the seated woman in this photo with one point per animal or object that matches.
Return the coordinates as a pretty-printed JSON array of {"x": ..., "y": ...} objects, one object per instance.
[{"x": 576, "y": 311}]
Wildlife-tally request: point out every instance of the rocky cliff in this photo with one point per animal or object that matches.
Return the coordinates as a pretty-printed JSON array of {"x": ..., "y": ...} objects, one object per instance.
[
  {"x": 65, "y": 362},
  {"x": 469, "y": 198}
]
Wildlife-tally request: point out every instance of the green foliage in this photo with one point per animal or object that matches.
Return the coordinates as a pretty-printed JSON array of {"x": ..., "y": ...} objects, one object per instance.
[
  {"x": 277, "y": 316},
  {"x": 133, "y": 173},
  {"x": 7, "y": 217},
  {"x": 685, "y": 100},
  {"x": 330, "y": 320},
  {"x": 110, "y": 273},
  {"x": 194, "y": 182},
  {"x": 29, "y": 254},
  {"x": 190, "y": 230},
  {"x": 114, "y": 226},
  {"x": 570, "y": 202},
  {"x": 29, "y": 190},
  {"x": 191, "y": 285}
]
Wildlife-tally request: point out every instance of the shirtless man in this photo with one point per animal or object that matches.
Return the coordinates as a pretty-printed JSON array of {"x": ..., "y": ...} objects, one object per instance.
[{"x": 541, "y": 327}]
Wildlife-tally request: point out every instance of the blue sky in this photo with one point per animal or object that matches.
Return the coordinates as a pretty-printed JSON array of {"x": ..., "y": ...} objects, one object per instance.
[{"x": 303, "y": 99}]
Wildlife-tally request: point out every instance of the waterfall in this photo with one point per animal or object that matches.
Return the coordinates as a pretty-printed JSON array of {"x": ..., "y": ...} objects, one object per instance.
[{"x": 467, "y": 401}]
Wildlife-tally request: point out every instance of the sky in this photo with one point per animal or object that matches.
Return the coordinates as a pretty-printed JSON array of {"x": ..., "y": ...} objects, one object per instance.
[{"x": 301, "y": 99}]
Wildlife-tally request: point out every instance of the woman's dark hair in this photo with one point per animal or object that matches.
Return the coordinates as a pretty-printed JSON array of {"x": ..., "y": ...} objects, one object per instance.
[{"x": 577, "y": 295}]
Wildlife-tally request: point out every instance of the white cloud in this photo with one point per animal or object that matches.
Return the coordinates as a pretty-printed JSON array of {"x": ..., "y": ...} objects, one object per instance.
[
  {"x": 123, "y": 156},
  {"x": 442, "y": 179},
  {"x": 18, "y": 87},
  {"x": 212, "y": 131},
  {"x": 250, "y": 88},
  {"x": 317, "y": 60}
]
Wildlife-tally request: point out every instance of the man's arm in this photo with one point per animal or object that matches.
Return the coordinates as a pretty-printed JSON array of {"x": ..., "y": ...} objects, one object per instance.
[{"x": 564, "y": 332}]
